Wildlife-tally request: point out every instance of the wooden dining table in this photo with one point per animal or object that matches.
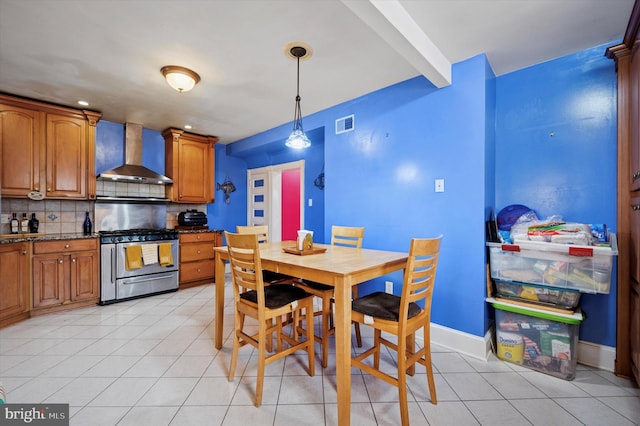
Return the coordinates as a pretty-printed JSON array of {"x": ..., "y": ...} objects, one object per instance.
[{"x": 340, "y": 267}]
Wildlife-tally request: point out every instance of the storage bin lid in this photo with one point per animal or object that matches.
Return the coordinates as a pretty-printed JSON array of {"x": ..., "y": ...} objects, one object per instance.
[
  {"x": 567, "y": 249},
  {"x": 568, "y": 318}
]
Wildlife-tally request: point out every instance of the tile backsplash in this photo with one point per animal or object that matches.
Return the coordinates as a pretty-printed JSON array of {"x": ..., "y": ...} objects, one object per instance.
[
  {"x": 67, "y": 216},
  {"x": 173, "y": 209},
  {"x": 55, "y": 216},
  {"x": 129, "y": 189}
]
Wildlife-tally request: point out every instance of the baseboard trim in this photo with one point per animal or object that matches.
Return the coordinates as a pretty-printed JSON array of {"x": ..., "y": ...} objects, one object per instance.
[
  {"x": 465, "y": 343},
  {"x": 595, "y": 355}
]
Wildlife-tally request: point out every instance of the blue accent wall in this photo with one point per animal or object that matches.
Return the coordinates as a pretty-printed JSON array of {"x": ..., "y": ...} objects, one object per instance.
[
  {"x": 556, "y": 153},
  {"x": 153, "y": 150},
  {"x": 109, "y": 145},
  {"x": 220, "y": 214},
  {"x": 268, "y": 149},
  {"x": 544, "y": 136},
  {"x": 381, "y": 176},
  {"x": 489, "y": 138}
]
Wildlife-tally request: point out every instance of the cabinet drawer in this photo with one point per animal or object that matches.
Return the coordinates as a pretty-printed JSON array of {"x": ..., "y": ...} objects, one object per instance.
[
  {"x": 63, "y": 246},
  {"x": 197, "y": 270},
  {"x": 197, "y": 237},
  {"x": 191, "y": 252}
]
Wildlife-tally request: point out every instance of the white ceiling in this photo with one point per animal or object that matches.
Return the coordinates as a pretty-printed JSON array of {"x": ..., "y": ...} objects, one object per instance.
[{"x": 109, "y": 52}]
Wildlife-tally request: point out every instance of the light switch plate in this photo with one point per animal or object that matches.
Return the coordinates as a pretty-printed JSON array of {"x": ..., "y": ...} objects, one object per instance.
[{"x": 439, "y": 186}]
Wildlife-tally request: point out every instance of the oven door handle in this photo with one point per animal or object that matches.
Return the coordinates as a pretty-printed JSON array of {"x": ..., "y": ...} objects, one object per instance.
[
  {"x": 113, "y": 264},
  {"x": 142, "y": 279}
]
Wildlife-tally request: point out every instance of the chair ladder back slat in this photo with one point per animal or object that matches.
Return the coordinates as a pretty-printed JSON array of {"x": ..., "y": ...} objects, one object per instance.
[
  {"x": 244, "y": 258},
  {"x": 262, "y": 231},
  {"x": 347, "y": 236},
  {"x": 420, "y": 273}
]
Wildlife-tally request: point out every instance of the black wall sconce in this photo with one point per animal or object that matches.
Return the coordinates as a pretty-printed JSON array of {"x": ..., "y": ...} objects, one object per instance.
[{"x": 319, "y": 181}]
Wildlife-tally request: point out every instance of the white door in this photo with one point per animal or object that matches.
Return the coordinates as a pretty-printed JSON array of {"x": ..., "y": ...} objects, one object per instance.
[{"x": 264, "y": 197}]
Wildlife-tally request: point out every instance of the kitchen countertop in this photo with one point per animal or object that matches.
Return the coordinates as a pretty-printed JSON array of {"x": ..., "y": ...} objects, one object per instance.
[
  {"x": 197, "y": 231},
  {"x": 18, "y": 238}
]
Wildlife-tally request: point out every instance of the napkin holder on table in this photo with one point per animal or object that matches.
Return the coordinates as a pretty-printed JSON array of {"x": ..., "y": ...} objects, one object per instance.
[{"x": 304, "y": 240}]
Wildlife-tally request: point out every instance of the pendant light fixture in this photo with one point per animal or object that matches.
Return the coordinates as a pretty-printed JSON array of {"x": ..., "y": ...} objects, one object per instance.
[
  {"x": 180, "y": 78},
  {"x": 297, "y": 139}
]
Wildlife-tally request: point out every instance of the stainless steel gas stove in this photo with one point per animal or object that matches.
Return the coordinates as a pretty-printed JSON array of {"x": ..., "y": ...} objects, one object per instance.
[{"x": 137, "y": 262}]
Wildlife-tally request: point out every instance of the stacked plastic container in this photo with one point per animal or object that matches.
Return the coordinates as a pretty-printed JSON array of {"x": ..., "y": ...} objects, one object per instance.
[{"x": 538, "y": 287}]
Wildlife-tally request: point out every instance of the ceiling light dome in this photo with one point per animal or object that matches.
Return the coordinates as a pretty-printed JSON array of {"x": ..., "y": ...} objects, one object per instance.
[{"x": 180, "y": 78}]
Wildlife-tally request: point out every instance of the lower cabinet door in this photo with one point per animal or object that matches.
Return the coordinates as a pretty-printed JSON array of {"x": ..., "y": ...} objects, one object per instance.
[
  {"x": 14, "y": 279},
  {"x": 48, "y": 280},
  {"x": 84, "y": 276}
]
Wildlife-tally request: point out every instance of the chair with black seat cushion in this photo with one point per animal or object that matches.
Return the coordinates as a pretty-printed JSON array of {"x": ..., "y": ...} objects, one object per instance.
[
  {"x": 402, "y": 317},
  {"x": 341, "y": 236},
  {"x": 265, "y": 304}
]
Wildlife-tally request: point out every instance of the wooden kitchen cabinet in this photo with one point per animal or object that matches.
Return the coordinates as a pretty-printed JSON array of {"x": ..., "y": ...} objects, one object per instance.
[
  {"x": 66, "y": 157},
  {"x": 19, "y": 150},
  {"x": 46, "y": 148},
  {"x": 48, "y": 280},
  {"x": 189, "y": 161},
  {"x": 634, "y": 330},
  {"x": 627, "y": 63},
  {"x": 14, "y": 282},
  {"x": 197, "y": 264},
  {"x": 65, "y": 272}
]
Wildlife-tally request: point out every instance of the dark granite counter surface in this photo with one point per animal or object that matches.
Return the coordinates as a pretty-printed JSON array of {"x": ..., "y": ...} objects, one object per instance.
[
  {"x": 18, "y": 238},
  {"x": 197, "y": 231}
]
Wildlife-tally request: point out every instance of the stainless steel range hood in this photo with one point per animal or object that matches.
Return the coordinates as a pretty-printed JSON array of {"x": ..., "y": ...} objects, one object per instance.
[{"x": 132, "y": 170}]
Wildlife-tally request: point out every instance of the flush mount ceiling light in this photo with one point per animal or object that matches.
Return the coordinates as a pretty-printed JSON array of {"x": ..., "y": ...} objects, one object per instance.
[
  {"x": 297, "y": 139},
  {"x": 180, "y": 78}
]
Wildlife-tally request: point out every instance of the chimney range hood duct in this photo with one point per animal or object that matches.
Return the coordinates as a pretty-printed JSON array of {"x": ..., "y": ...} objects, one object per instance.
[{"x": 132, "y": 170}]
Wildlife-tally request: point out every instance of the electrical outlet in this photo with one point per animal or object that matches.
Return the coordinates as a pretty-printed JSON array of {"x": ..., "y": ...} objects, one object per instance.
[{"x": 388, "y": 287}]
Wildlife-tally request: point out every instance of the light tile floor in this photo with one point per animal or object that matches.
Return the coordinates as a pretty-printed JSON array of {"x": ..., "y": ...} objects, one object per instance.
[{"x": 151, "y": 361}]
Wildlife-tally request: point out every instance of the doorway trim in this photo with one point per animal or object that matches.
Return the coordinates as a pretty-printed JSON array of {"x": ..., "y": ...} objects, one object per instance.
[{"x": 273, "y": 200}]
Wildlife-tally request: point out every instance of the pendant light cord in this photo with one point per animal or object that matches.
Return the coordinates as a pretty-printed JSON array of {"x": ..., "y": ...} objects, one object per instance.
[
  {"x": 298, "y": 82},
  {"x": 297, "y": 114}
]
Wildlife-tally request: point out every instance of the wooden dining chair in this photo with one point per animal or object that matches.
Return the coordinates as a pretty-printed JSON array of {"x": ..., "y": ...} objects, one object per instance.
[
  {"x": 402, "y": 317},
  {"x": 341, "y": 236},
  {"x": 265, "y": 304},
  {"x": 262, "y": 231}
]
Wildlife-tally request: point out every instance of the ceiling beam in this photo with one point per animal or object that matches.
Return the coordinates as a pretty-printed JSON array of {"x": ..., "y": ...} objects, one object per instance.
[{"x": 395, "y": 25}]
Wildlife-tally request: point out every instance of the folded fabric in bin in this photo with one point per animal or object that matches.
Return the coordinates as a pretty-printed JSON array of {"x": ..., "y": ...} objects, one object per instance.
[{"x": 560, "y": 232}]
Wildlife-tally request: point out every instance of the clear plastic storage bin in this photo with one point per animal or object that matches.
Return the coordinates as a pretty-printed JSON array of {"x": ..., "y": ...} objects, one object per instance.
[
  {"x": 541, "y": 295},
  {"x": 537, "y": 339},
  {"x": 581, "y": 268}
]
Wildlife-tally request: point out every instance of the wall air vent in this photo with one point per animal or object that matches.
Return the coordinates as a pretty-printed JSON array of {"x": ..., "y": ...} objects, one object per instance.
[{"x": 345, "y": 124}]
